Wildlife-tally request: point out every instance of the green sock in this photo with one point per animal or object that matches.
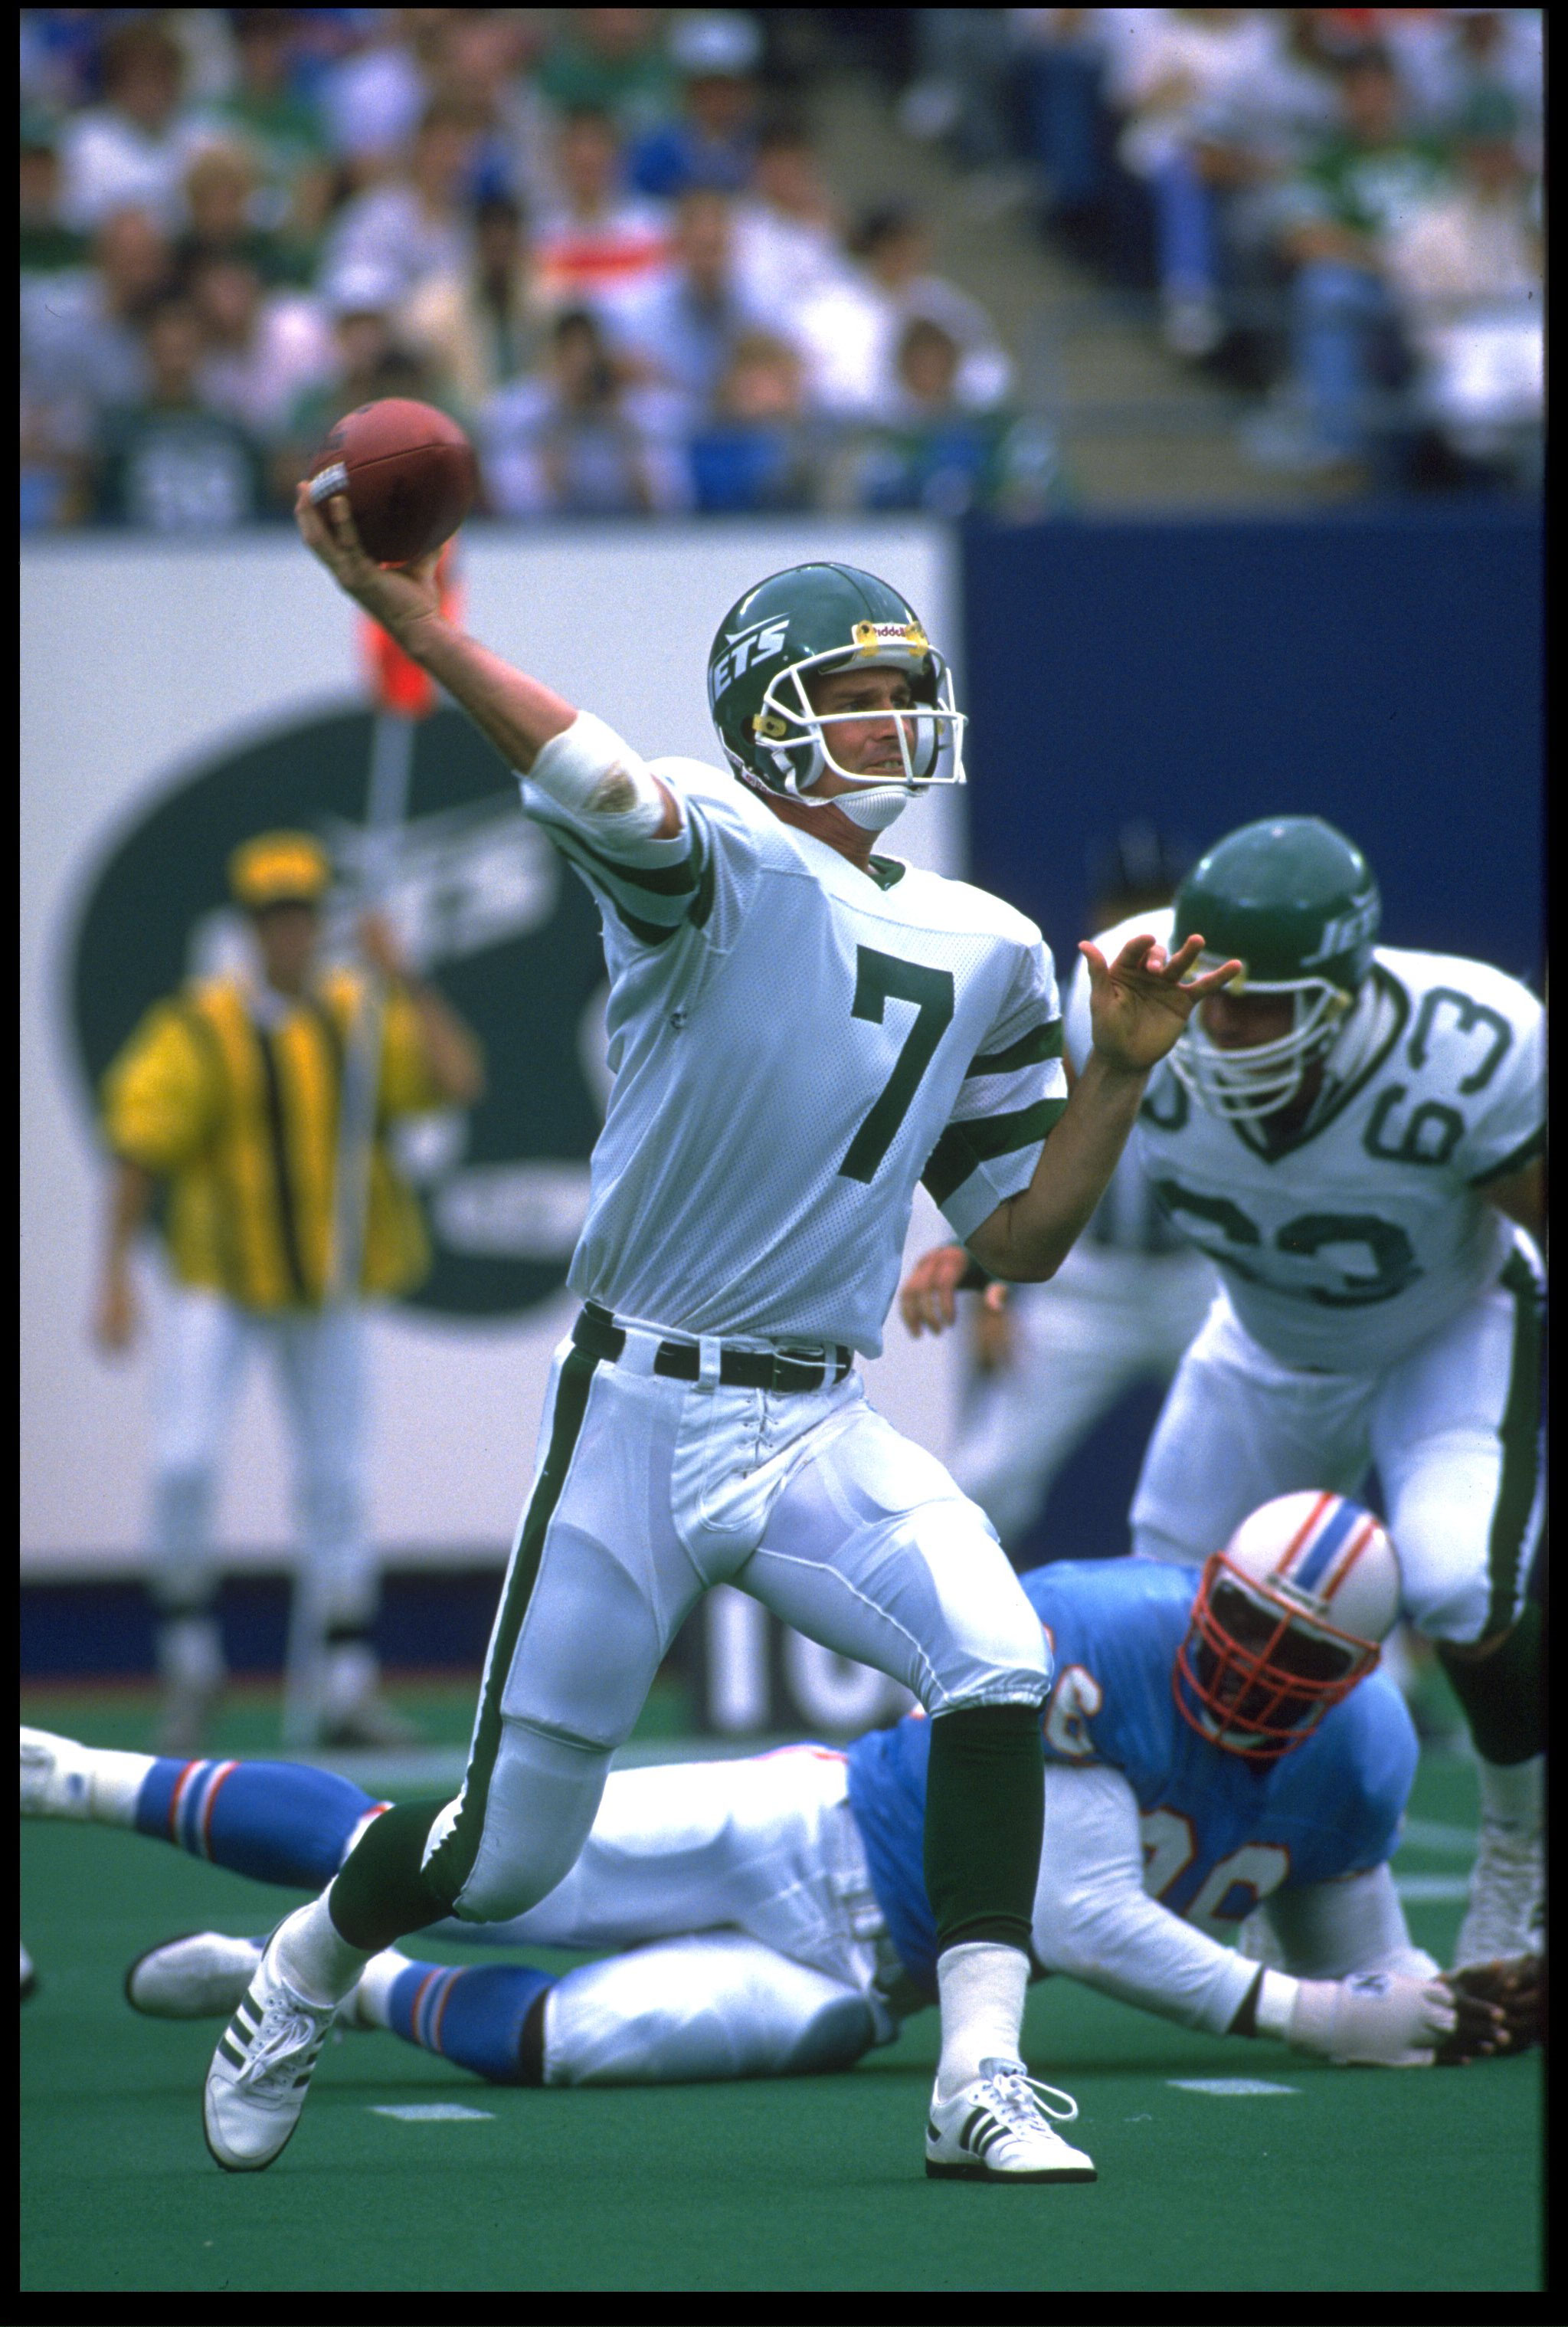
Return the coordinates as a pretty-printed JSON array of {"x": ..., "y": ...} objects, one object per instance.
[
  {"x": 381, "y": 1892},
  {"x": 1503, "y": 1695},
  {"x": 984, "y": 1822}
]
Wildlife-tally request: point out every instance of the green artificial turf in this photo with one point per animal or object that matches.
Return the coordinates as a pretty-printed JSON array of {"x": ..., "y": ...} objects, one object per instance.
[{"x": 1353, "y": 2180}]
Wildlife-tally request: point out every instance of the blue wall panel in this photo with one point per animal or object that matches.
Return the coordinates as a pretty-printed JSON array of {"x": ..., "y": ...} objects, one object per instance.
[{"x": 1382, "y": 669}]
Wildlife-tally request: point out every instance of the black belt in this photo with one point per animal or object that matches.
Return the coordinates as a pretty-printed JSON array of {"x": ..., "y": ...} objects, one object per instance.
[{"x": 597, "y": 1332}]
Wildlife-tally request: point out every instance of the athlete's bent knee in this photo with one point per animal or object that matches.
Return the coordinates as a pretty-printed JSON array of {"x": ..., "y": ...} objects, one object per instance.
[{"x": 539, "y": 1807}]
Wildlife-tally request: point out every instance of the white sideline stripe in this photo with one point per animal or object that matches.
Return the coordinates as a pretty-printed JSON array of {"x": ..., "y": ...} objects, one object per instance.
[
  {"x": 1228, "y": 2088},
  {"x": 432, "y": 2113},
  {"x": 1431, "y": 1834},
  {"x": 1422, "y": 1889}
]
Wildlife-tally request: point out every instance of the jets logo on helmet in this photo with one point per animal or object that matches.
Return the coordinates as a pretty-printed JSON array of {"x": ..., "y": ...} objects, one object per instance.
[
  {"x": 1346, "y": 935},
  {"x": 760, "y": 643},
  {"x": 1297, "y": 904},
  {"x": 1286, "y": 1620},
  {"x": 811, "y": 620}
]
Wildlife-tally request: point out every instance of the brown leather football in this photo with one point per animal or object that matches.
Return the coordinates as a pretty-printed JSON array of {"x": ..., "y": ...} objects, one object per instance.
[{"x": 410, "y": 474}]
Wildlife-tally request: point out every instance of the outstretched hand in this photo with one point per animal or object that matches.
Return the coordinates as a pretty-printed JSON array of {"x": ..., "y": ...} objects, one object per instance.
[
  {"x": 1139, "y": 1003},
  {"x": 396, "y": 596}
]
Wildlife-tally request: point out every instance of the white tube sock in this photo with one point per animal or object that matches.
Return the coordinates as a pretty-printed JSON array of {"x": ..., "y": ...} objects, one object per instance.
[
  {"x": 373, "y": 2003},
  {"x": 982, "y": 1986},
  {"x": 116, "y": 1780},
  {"x": 313, "y": 1956}
]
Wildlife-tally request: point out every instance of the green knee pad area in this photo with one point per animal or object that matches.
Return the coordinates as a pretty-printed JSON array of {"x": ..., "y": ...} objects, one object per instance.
[
  {"x": 380, "y": 1893},
  {"x": 1503, "y": 1695},
  {"x": 984, "y": 1821}
]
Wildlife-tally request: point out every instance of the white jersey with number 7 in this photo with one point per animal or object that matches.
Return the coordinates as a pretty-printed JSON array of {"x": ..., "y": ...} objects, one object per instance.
[{"x": 795, "y": 1043}]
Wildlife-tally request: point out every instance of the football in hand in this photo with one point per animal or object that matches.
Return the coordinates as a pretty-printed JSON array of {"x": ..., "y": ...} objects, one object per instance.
[{"x": 409, "y": 472}]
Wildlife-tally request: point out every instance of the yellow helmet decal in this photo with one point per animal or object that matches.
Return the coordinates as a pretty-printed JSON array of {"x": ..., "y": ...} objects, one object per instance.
[{"x": 877, "y": 638}]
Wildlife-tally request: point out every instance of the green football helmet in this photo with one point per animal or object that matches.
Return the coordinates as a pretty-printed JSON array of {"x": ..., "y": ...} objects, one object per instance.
[
  {"x": 820, "y": 618},
  {"x": 1297, "y": 904}
]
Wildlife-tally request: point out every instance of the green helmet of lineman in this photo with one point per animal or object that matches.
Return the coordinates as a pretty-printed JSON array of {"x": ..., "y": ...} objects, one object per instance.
[
  {"x": 1297, "y": 904},
  {"x": 822, "y": 618}
]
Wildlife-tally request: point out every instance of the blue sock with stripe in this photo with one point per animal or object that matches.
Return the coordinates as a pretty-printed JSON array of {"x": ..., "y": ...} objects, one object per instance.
[
  {"x": 274, "y": 1821},
  {"x": 473, "y": 2014}
]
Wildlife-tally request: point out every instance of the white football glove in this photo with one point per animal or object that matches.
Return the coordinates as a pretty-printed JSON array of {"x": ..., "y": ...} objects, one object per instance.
[{"x": 1379, "y": 2019}]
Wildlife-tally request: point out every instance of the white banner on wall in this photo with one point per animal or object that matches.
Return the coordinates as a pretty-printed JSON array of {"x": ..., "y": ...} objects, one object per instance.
[{"x": 158, "y": 684}]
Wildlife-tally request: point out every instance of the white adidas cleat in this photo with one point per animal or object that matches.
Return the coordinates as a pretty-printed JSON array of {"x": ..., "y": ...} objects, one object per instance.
[
  {"x": 201, "y": 1975},
  {"x": 997, "y": 2130},
  {"x": 56, "y": 1776},
  {"x": 261, "y": 2070},
  {"x": 1506, "y": 1916}
]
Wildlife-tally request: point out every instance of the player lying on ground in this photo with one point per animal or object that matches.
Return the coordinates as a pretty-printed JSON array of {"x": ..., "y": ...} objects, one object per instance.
[
  {"x": 800, "y": 1030},
  {"x": 1205, "y": 1753},
  {"x": 1352, "y": 1135}
]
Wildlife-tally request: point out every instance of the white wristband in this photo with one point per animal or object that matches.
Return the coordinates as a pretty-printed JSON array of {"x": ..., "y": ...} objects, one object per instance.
[
  {"x": 1277, "y": 2000},
  {"x": 597, "y": 777}
]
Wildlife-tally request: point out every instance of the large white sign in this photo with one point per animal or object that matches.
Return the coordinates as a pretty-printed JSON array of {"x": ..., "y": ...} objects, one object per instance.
[{"x": 141, "y": 663}]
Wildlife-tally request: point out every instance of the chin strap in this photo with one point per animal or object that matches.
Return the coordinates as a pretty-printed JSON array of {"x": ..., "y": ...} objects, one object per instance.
[
  {"x": 876, "y": 809},
  {"x": 872, "y": 809}
]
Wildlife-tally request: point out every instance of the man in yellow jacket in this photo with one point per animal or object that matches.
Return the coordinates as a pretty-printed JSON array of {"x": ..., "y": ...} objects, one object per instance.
[{"x": 229, "y": 1092}]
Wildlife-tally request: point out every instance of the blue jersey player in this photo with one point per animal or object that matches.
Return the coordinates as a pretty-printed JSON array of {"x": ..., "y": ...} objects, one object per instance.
[{"x": 1213, "y": 1744}]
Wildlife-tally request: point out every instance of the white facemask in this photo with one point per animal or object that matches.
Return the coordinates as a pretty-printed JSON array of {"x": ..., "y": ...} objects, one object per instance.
[{"x": 874, "y": 809}]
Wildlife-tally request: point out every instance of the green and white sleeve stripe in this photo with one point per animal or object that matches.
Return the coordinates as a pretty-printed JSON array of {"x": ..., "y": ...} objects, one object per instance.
[
  {"x": 1033, "y": 1047},
  {"x": 651, "y": 901},
  {"x": 992, "y": 1144}
]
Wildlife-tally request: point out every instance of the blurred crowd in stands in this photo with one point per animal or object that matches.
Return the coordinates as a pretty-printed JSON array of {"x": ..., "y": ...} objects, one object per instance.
[
  {"x": 1338, "y": 207},
  {"x": 604, "y": 240},
  {"x": 601, "y": 238}
]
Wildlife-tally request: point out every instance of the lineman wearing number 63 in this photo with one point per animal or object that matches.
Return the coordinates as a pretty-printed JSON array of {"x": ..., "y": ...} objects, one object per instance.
[
  {"x": 799, "y": 1030},
  {"x": 1352, "y": 1133}
]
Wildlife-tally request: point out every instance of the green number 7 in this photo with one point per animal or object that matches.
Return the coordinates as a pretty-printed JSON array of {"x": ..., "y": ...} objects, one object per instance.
[{"x": 880, "y": 978}]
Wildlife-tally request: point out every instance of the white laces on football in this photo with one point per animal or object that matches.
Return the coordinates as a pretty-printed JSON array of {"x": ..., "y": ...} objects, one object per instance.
[
  {"x": 1022, "y": 2098},
  {"x": 273, "y": 2059}
]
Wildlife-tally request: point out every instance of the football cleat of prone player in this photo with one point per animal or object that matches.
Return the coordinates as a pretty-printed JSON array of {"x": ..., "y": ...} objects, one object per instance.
[
  {"x": 1206, "y": 1750},
  {"x": 1353, "y": 1133}
]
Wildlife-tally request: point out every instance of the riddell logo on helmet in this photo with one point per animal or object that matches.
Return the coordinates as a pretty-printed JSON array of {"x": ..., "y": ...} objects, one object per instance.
[
  {"x": 1348, "y": 929},
  {"x": 875, "y": 638},
  {"x": 746, "y": 648}
]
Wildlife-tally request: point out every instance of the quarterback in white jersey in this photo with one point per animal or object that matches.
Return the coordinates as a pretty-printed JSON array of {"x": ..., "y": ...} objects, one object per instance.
[
  {"x": 1352, "y": 1135},
  {"x": 799, "y": 1030}
]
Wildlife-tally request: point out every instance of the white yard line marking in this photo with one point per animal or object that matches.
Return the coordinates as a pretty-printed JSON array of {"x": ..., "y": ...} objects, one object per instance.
[
  {"x": 1422, "y": 1889},
  {"x": 433, "y": 2113},
  {"x": 1431, "y": 1834},
  {"x": 1227, "y": 2088}
]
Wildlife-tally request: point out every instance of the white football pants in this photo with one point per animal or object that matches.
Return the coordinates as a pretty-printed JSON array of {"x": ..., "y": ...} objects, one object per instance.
[
  {"x": 1104, "y": 1321},
  {"x": 741, "y": 1892},
  {"x": 1454, "y": 1429},
  {"x": 648, "y": 1490},
  {"x": 204, "y": 1344}
]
